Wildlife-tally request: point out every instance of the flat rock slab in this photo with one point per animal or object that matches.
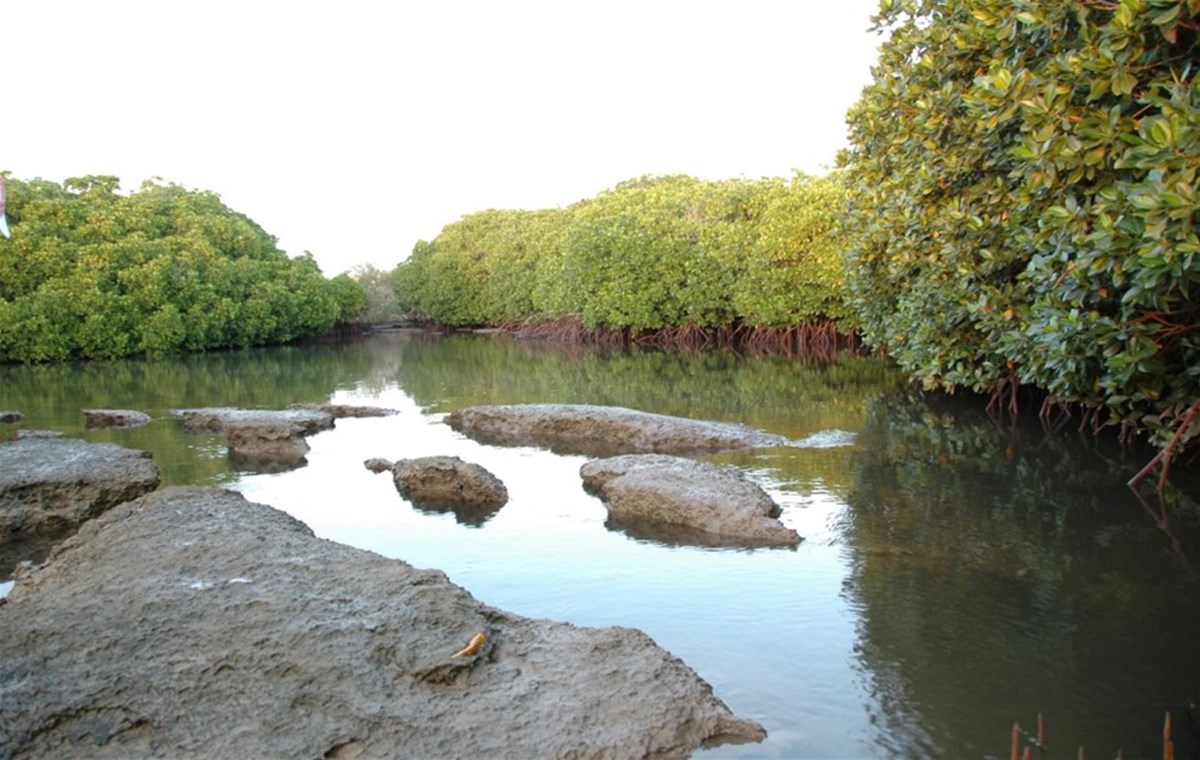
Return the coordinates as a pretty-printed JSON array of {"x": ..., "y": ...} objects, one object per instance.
[
  {"x": 216, "y": 627},
  {"x": 260, "y": 439},
  {"x": 679, "y": 500},
  {"x": 114, "y": 418},
  {"x": 49, "y": 486},
  {"x": 287, "y": 422},
  {"x": 603, "y": 430},
  {"x": 341, "y": 411}
]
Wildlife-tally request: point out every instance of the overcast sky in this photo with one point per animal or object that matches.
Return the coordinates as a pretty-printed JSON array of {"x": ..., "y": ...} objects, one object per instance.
[{"x": 354, "y": 129}]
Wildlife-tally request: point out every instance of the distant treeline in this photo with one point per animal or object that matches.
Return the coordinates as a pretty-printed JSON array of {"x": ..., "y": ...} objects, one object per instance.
[
  {"x": 1017, "y": 211},
  {"x": 653, "y": 253},
  {"x": 93, "y": 273}
]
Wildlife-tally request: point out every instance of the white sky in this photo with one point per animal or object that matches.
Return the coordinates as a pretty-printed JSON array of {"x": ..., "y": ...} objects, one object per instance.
[{"x": 354, "y": 129}]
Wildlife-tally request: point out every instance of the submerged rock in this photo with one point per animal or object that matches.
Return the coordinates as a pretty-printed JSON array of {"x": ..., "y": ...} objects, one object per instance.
[
  {"x": 49, "y": 486},
  {"x": 445, "y": 483},
  {"x": 680, "y": 500},
  {"x": 603, "y": 430},
  {"x": 260, "y": 439},
  {"x": 118, "y": 418},
  {"x": 221, "y": 628}
]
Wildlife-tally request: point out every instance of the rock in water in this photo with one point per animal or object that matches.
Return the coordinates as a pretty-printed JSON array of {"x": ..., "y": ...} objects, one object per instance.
[
  {"x": 603, "y": 430},
  {"x": 216, "y": 627},
  {"x": 49, "y": 486},
  {"x": 679, "y": 500}
]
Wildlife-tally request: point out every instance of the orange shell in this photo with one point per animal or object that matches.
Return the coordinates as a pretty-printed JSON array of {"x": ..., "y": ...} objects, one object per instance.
[{"x": 472, "y": 648}]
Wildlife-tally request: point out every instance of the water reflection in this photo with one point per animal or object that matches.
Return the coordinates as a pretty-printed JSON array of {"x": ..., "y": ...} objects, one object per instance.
[
  {"x": 470, "y": 515},
  {"x": 999, "y": 573},
  {"x": 956, "y": 576}
]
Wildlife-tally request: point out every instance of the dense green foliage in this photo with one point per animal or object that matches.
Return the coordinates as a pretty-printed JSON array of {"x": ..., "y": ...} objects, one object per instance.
[
  {"x": 378, "y": 292},
  {"x": 90, "y": 272},
  {"x": 651, "y": 253},
  {"x": 1024, "y": 202}
]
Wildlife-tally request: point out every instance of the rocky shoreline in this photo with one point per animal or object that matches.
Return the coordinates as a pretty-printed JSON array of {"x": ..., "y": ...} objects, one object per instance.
[{"x": 189, "y": 621}]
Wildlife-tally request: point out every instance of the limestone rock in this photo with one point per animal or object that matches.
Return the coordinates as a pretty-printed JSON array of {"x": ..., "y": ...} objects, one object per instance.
[
  {"x": 114, "y": 418},
  {"x": 680, "y": 500},
  {"x": 378, "y": 464},
  {"x": 216, "y": 627},
  {"x": 341, "y": 411},
  {"x": 260, "y": 439},
  {"x": 443, "y": 483},
  {"x": 49, "y": 486},
  {"x": 603, "y": 430}
]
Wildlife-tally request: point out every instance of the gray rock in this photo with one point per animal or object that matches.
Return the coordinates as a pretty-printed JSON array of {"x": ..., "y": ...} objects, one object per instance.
[
  {"x": 678, "y": 500},
  {"x": 260, "y": 439},
  {"x": 377, "y": 464},
  {"x": 35, "y": 433},
  {"x": 443, "y": 484},
  {"x": 216, "y": 627},
  {"x": 603, "y": 430},
  {"x": 10, "y": 416},
  {"x": 118, "y": 418},
  {"x": 49, "y": 486},
  {"x": 340, "y": 411}
]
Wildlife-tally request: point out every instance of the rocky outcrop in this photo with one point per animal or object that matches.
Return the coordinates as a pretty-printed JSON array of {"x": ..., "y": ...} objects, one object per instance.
[
  {"x": 114, "y": 418},
  {"x": 49, "y": 486},
  {"x": 260, "y": 439},
  {"x": 443, "y": 483},
  {"x": 342, "y": 411},
  {"x": 678, "y": 500},
  {"x": 216, "y": 627},
  {"x": 603, "y": 430}
]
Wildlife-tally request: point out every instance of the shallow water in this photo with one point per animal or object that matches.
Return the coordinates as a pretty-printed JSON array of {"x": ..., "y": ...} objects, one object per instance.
[{"x": 957, "y": 575}]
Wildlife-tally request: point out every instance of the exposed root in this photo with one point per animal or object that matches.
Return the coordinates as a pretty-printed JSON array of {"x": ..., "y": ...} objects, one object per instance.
[
  {"x": 817, "y": 341},
  {"x": 1181, "y": 424}
]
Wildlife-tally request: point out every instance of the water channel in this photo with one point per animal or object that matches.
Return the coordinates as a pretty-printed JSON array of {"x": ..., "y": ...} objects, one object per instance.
[{"x": 959, "y": 573}]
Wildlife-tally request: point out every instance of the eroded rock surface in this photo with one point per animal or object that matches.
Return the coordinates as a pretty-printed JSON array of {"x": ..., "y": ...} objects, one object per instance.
[
  {"x": 444, "y": 483},
  {"x": 49, "y": 486},
  {"x": 114, "y": 418},
  {"x": 342, "y": 411},
  {"x": 260, "y": 439},
  {"x": 681, "y": 500},
  {"x": 216, "y": 627},
  {"x": 603, "y": 430}
]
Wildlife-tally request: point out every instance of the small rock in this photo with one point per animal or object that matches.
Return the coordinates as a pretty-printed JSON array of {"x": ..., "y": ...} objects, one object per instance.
[
  {"x": 114, "y": 418},
  {"x": 444, "y": 483},
  {"x": 377, "y": 464}
]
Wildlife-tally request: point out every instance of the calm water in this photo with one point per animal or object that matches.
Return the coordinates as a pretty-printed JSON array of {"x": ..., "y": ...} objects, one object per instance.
[{"x": 957, "y": 575}]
